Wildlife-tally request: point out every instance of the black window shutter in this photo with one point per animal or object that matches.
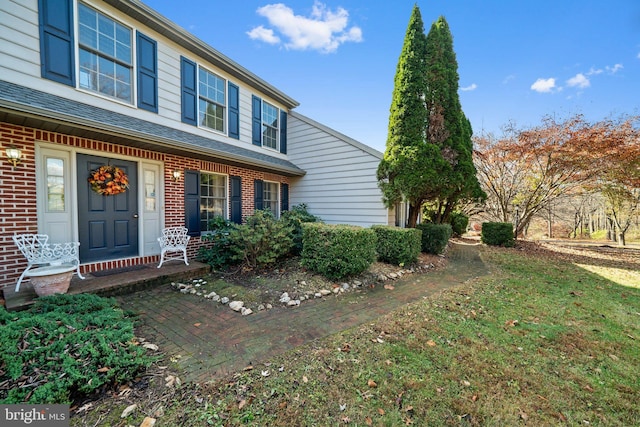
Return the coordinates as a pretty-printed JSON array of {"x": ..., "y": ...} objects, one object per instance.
[
  {"x": 234, "y": 112},
  {"x": 284, "y": 197},
  {"x": 189, "y": 91},
  {"x": 192, "y": 202},
  {"x": 236, "y": 199},
  {"x": 147, "y": 73},
  {"x": 283, "y": 132},
  {"x": 258, "y": 194},
  {"x": 57, "y": 61},
  {"x": 256, "y": 120}
]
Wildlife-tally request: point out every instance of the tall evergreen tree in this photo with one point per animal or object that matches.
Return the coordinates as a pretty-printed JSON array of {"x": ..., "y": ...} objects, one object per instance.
[
  {"x": 447, "y": 126},
  {"x": 410, "y": 167}
]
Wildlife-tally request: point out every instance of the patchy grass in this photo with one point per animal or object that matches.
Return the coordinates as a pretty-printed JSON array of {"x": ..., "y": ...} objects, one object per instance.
[{"x": 540, "y": 341}]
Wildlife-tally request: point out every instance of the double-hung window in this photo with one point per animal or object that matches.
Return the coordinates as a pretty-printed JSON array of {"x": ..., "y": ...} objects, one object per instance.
[
  {"x": 269, "y": 126},
  {"x": 211, "y": 100},
  {"x": 105, "y": 55},
  {"x": 213, "y": 198},
  {"x": 270, "y": 197}
]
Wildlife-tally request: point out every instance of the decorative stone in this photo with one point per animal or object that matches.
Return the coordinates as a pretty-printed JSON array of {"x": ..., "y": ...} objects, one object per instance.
[
  {"x": 293, "y": 302},
  {"x": 284, "y": 298},
  {"x": 215, "y": 298},
  {"x": 318, "y": 295},
  {"x": 236, "y": 305},
  {"x": 246, "y": 311},
  {"x": 393, "y": 275},
  {"x": 224, "y": 300},
  {"x": 269, "y": 306},
  {"x": 357, "y": 283},
  {"x": 325, "y": 292},
  {"x": 261, "y": 307},
  {"x": 336, "y": 290},
  {"x": 346, "y": 286}
]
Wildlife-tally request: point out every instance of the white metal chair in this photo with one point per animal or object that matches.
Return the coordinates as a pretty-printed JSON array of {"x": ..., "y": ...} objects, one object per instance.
[
  {"x": 174, "y": 240},
  {"x": 39, "y": 252}
]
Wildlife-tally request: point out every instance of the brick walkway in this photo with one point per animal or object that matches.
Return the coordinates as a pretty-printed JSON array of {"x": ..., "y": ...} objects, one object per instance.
[{"x": 224, "y": 341}]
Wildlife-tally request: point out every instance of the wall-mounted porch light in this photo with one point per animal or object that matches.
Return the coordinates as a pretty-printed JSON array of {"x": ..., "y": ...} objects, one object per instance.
[
  {"x": 176, "y": 174},
  {"x": 13, "y": 155}
]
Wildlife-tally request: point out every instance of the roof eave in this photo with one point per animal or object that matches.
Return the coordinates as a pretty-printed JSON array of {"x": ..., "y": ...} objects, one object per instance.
[{"x": 172, "y": 31}]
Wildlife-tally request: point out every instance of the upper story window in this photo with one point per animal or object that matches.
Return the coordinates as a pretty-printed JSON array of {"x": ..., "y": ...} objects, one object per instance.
[
  {"x": 269, "y": 126},
  {"x": 105, "y": 55},
  {"x": 211, "y": 100}
]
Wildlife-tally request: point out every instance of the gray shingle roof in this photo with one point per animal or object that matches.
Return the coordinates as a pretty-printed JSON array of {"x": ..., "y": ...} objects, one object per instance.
[{"x": 17, "y": 99}]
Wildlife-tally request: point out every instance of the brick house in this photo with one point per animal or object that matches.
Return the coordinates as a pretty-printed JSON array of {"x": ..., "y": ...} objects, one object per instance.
[{"x": 91, "y": 83}]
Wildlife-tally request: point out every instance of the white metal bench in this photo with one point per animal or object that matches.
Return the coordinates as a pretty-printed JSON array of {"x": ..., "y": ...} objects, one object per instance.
[
  {"x": 39, "y": 252},
  {"x": 174, "y": 240}
]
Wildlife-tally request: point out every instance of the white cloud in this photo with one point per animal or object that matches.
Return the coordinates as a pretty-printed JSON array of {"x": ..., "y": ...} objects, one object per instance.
[
  {"x": 544, "y": 85},
  {"x": 263, "y": 34},
  {"x": 325, "y": 30},
  {"x": 579, "y": 80},
  {"x": 508, "y": 78},
  {"x": 614, "y": 69},
  {"x": 638, "y": 55},
  {"x": 472, "y": 86}
]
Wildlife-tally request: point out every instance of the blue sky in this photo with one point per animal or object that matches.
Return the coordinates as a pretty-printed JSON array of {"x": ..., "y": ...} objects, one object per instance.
[{"x": 517, "y": 60}]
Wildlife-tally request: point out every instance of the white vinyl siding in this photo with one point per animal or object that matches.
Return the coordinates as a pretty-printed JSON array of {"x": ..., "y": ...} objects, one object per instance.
[
  {"x": 20, "y": 64},
  {"x": 340, "y": 185}
]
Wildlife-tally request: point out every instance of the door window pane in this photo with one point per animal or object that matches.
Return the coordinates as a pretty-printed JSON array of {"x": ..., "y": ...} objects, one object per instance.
[
  {"x": 150, "y": 197},
  {"x": 55, "y": 185}
]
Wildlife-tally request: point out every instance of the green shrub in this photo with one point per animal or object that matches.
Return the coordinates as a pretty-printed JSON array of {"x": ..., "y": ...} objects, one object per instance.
[
  {"x": 262, "y": 240},
  {"x": 337, "y": 251},
  {"x": 434, "y": 237},
  {"x": 397, "y": 246},
  {"x": 497, "y": 234},
  {"x": 294, "y": 218},
  {"x": 459, "y": 222},
  {"x": 64, "y": 346},
  {"x": 216, "y": 250}
]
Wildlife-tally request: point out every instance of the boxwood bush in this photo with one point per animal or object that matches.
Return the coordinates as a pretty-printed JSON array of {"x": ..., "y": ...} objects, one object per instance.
[
  {"x": 434, "y": 237},
  {"x": 397, "y": 246},
  {"x": 337, "y": 251},
  {"x": 66, "y": 346},
  {"x": 459, "y": 223},
  {"x": 497, "y": 234}
]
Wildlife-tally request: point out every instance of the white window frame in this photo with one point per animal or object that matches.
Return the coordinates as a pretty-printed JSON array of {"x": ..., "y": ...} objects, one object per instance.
[
  {"x": 132, "y": 64},
  {"x": 266, "y": 184},
  {"x": 224, "y": 106},
  {"x": 265, "y": 125},
  {"x": 225, "y": 215}
]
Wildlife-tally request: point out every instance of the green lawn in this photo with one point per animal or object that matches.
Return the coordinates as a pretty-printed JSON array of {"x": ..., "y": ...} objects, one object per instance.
[{"x": 536, "y": 342}]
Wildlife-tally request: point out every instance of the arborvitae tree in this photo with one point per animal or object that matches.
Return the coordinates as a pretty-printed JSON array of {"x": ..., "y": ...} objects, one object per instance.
[
  {"x": 447, "y": 126},
  {"x": 410, "y": 167}
]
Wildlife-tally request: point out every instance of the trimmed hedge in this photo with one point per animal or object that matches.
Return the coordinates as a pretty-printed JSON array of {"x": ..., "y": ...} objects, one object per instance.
[
  {"x": 459, "y": 222},
  {"x": 434, "y": 237},
  {"x": 497, "y": 234},
  {"x": 397, "y": 246},
  {"x": 337, "y": 251}
]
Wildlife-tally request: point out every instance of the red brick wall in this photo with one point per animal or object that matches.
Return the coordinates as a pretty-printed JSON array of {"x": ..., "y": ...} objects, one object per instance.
[{"x": 18, "y": 192}]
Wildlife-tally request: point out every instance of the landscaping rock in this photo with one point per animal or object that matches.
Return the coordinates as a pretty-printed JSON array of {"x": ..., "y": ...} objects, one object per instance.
[{"x": 236, "y": 305}]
